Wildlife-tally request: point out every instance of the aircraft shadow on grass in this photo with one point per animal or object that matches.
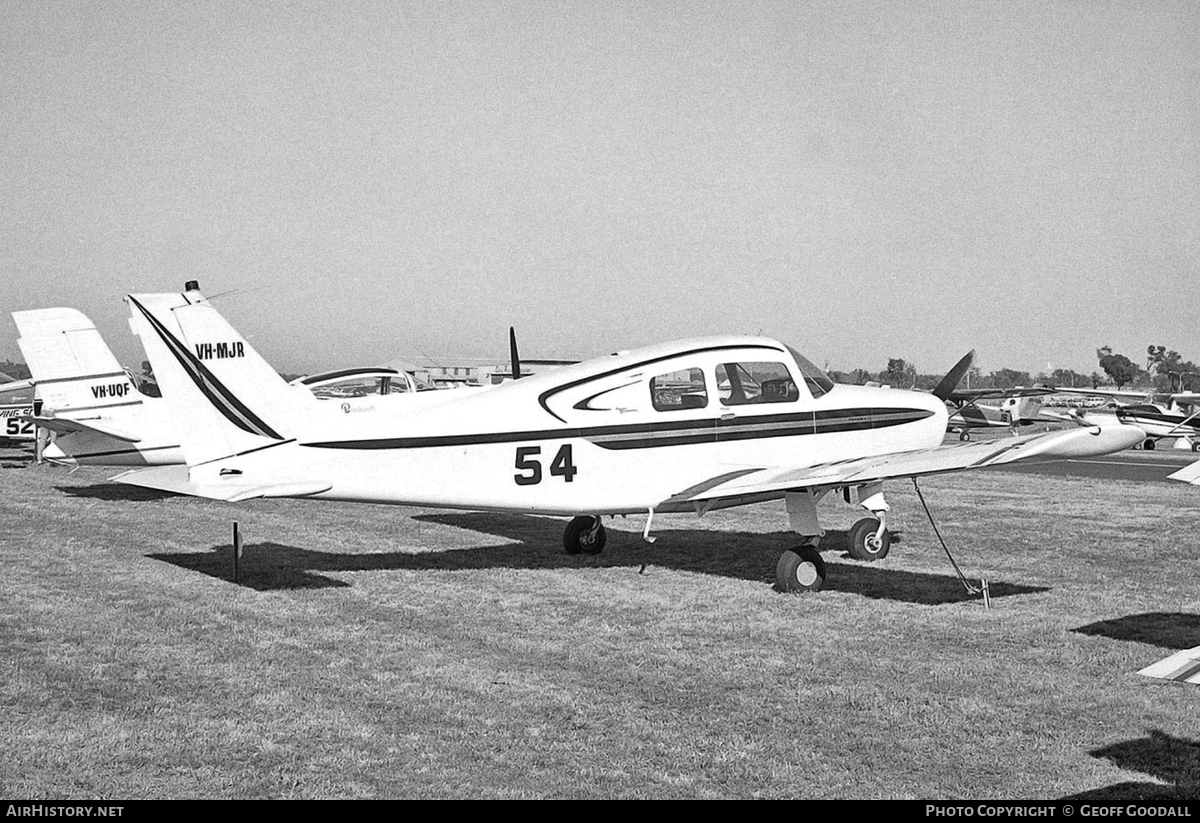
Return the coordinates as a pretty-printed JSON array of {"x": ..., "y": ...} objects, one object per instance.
[
  {"x": 116, "y": 491},
  {"x": 536, "y": 543},
  {"x": 1169, "y": 630},
  {"x": 1172, "y": 760}
]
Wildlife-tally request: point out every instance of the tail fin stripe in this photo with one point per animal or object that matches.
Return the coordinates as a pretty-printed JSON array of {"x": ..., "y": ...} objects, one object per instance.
[
  {"x": 80, "y": 377},
  {"x": 75, "y": 409},
  {"x": 218, "y": 395}
]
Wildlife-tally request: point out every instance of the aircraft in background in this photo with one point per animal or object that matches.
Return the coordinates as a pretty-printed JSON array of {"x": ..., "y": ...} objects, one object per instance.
[
  {"x": 990, "y": 408},
  {"x": 374, "y": 381},
  {"x": 16, "y": 405},
  {"x": 689, "y": 426},
  {"x": 971, "y": 409},
  {"x": 1160, "y": 415},
  {"x": 101, "y": 415},
  {"x": 93, "y": 407}
]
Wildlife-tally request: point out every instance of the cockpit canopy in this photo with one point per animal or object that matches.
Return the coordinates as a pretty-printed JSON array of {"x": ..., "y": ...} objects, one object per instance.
[{"x": 350, "y": 383}]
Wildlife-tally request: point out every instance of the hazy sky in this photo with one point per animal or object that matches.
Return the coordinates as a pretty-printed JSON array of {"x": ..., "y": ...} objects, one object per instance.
[{"x": 863, "y": 180}]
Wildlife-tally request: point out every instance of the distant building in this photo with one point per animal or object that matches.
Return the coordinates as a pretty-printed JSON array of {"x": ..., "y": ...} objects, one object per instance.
[
  {"x": 450, "y": 377},
  {"x": 502, "y": 374}
]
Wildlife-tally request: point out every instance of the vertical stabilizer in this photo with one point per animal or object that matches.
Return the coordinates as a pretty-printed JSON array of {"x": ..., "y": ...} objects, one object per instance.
[
  {"x": 72, "y": 366},
  {"x": 226, "y": 398}
]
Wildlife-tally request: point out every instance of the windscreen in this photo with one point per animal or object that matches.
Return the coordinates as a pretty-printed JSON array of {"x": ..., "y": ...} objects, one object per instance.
[{"x": 818, "y": 382}]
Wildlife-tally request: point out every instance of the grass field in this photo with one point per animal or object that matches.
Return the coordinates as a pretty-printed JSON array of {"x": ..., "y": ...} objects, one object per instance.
[{"x": 374, "y": 652}]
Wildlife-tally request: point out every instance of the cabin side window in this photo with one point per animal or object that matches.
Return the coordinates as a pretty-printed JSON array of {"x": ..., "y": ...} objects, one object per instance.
[
  {"x": 679, "y": 390},
  {"x": 754, "y": 383},
  {"x": 352, "y": 387}
]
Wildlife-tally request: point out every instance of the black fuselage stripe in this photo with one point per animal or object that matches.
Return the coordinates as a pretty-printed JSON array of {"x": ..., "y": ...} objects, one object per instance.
[{"x": 670, "y": 433}]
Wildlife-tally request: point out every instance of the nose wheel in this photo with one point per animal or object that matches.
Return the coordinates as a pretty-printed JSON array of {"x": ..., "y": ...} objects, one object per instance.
[
  {"x": 867, "y": 541},
  {"x": 584, "y": 535}
]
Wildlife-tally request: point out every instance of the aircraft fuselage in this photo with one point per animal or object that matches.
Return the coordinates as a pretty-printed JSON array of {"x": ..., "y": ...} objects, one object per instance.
[{"x": 615, "y": 435}]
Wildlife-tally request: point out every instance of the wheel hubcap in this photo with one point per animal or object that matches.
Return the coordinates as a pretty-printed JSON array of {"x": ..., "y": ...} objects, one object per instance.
[{"x": 806, "y": 574}]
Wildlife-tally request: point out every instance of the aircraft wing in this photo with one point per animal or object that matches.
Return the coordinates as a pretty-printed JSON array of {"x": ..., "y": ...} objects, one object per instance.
[
  {"x": 970, "y": 395},
  {"x": 175, "y": 479},
  {"x": 1188, "y": 474},
  {"x": 1063, "y": 445},
  {"x": 63, "y": 425}
]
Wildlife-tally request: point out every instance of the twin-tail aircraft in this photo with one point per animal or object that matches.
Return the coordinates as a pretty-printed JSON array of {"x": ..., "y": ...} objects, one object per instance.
[
  {"x": 689, "y": 426},
  {"x": 99, "y": 415}
]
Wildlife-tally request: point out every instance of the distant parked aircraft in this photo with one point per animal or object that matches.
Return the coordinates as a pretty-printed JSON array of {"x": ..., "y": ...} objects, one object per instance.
[
  {"x": 16, "y": 406},
  {"x": 994, "y": 408},
  {"x": 1160, "y": 415}
]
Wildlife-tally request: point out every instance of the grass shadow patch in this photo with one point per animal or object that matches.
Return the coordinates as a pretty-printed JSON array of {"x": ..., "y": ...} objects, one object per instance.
[
  {"x": 750, "y": 556},
  {"x": 263, "y": 566},
  {"x": 1172, "y": 760},
  {"x": 116, "y": 491},
  {"x": 920, "y": 588},
  {"x": 1126, "y": 792},
  {"x": 1168, "y": 630}
]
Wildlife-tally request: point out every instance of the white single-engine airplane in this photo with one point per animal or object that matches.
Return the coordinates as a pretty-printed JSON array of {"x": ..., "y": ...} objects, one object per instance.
[{"x": 688, "y": 426}]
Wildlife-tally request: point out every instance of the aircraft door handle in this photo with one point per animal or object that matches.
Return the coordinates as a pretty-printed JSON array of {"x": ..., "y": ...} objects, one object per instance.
[{"x": 728, "y": 415}]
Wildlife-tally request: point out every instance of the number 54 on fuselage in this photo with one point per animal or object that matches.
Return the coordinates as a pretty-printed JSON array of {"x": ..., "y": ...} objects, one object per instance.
[{"x": 691, "y": 425}]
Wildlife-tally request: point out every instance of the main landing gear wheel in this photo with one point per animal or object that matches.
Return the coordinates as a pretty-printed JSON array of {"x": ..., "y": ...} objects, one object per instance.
[
  {"x": 1148, "y": 445},
  {"x": 800, "y": 570},
  {"x": 862, "y": 542},
  {"x": 964, "y": 436},
  {"x": 1196, "y": 446},
  {"x": 584, "y": 534}
]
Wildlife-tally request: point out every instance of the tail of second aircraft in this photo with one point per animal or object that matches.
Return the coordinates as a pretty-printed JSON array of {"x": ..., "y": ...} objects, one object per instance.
[
  {"x": 75, "y": 372},
  {"x": 225, "y": 397}
]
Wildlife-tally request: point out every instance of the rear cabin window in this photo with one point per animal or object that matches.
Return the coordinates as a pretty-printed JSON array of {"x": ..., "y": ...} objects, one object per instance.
[
  {"x": 743, "y": 384},
  {"x": 679, "y": 390},
  {"x": 364, "y": 386}
]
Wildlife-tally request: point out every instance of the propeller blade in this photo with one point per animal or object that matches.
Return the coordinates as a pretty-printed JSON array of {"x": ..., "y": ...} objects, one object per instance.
[
  {"x": 950, "y": 381},
  {"x": 512, "y": 352}
]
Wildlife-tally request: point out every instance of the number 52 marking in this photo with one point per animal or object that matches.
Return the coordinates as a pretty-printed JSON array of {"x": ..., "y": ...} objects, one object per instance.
[{"x": 530, "y": 468}]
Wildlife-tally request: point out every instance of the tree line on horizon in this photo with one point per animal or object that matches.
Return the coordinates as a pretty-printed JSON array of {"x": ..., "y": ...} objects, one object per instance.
[{"x": 1165, "y": 371}]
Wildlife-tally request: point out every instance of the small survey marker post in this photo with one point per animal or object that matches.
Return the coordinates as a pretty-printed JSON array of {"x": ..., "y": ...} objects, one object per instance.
[{"x": 237, "y": 551}]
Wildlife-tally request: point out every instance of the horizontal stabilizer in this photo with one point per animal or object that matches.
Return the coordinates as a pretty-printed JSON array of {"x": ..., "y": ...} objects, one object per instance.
[
  {"x": 1188, "y": 474},
  {"x": 64, "y": 425},
  {"x": 175, "y": 479},
  {"x": 1183, "y": 667}
]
